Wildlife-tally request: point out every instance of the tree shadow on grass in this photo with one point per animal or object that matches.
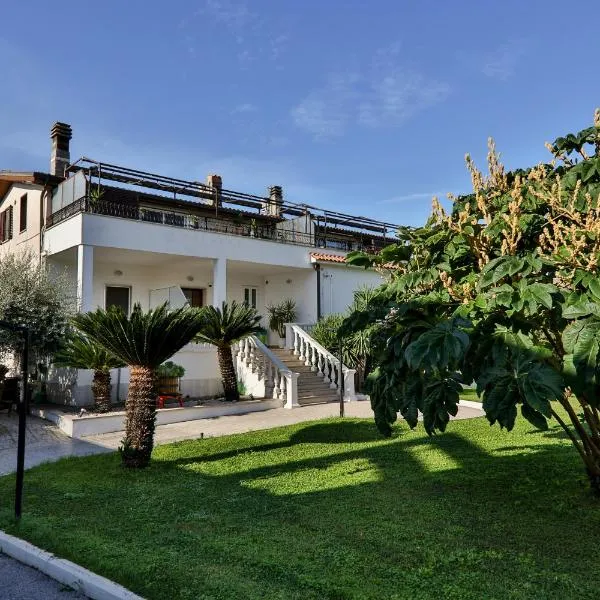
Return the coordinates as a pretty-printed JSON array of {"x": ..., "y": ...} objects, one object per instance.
[
  {"x": 340, "y": 516},
  {"x": 337, "y": 432},
  {"x": 334, "y": 432}
]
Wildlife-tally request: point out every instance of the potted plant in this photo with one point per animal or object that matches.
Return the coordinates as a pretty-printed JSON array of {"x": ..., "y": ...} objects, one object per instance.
[
  {"x": 169, "y": 374},
  {"x": 279, "y": 315}
]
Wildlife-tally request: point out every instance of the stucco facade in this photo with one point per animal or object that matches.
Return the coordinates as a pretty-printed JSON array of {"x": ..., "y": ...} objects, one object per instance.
[{"x": 148, "y": 238}]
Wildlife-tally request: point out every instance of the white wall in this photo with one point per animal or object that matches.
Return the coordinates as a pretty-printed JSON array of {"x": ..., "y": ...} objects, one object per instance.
[
  {"x": 338, "y": 284},
  {"x": 30, "y": 238},
  {"x": 151, "y": 237},
  {"x": 142, "y": 278}
]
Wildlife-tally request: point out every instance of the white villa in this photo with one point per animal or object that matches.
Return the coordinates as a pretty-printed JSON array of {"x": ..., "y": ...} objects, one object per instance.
[{"x": 127, "y": 236}]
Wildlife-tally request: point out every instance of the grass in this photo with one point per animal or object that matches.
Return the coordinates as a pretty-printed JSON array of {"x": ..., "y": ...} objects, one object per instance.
[
  {"x": 328, "y": 510},
  {"x": 470, "y": 394}
]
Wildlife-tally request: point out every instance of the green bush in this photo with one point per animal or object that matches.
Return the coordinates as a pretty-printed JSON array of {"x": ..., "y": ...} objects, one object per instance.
[{"x": 170, "y": 369}]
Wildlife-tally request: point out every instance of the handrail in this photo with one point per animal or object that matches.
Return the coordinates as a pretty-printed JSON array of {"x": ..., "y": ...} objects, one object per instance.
[
  {"x": 321, "y": 360},
  {"x": 182, "y": 219},
  {"x": 272, "y": 357},
  {"x": 264, "y": 373}
]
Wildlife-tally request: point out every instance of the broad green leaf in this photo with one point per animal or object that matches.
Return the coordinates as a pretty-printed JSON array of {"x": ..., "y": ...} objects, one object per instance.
[
  {"x": 594, "y": 288},
  {"x": 542, "y": 293},
  {"x": 583, "y": 308},
  {"x": 571, "y": 334},
  {"x": 536, "y": 418},
  {"x": 438, "y": 348},
  {"x": 585, "y": 350}
]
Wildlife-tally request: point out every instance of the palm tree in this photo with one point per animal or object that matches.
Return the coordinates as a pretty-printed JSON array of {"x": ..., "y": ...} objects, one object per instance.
[
  {"x": 223, "y": 327},
  {"x": 143, "y": 341},
  {"x": 80, "y": 352}
]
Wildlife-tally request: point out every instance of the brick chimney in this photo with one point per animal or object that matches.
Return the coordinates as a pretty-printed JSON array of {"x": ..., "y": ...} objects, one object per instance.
[
  {"x": 273, "y": 205},
  {"x": 215, "y": 182},
  {"x": 60, "y": 159}
]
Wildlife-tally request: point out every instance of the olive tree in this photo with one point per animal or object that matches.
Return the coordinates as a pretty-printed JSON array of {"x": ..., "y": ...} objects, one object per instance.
[{"x": 30, "y": 296}]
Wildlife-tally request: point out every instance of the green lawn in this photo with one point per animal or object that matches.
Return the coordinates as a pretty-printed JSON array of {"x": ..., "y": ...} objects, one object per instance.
[
  {"x": 470, "y": 394},
  {"x": 328, "y": 510}
]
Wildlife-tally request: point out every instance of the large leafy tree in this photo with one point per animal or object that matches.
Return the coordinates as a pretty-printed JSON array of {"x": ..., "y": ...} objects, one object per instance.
[
  {"x": 503, "y": 292},
  {"x": 143, "y": 341},
  {"x": 223, "y": 327},
  {"x": 80, "y": 352}
]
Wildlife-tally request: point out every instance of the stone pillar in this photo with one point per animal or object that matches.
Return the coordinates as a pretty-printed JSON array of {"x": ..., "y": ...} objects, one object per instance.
[
  {"x": 219, "y": 282},
  {"x": 85, "y": 278}
]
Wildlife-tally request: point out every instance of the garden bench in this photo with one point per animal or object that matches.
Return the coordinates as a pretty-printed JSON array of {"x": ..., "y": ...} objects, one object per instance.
[{"x": 162, "y": 398}]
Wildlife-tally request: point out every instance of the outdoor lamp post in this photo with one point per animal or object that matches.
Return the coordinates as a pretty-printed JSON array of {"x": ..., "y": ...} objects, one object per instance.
[
  {"x": 22, "y": 410},
  {"x": 341, "y": 378}
]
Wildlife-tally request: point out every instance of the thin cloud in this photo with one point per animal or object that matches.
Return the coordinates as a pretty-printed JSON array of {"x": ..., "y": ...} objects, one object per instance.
[
  {"x": 236, "y": 16},
  {"x": 410, "y": 197},
  {"x": 247, "y": 107},
  {"x": 254, "y": 34},
  {"x": 382, "y": 95},
  {"x": 502, "y": 64},
  {"x": 399, "y": 96}
]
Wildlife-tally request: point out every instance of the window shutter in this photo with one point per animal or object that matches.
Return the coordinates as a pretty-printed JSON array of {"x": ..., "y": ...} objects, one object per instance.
[{"x": 10, "y": 223}]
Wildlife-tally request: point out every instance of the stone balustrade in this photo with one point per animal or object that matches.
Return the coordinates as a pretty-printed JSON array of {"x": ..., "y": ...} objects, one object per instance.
[
  {"x": 263, "y": 373},
  {"x": 320, "y": 360}
]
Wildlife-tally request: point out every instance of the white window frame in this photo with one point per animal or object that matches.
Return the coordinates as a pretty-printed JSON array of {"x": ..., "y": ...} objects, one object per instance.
[{"x": 250, "y": 289}]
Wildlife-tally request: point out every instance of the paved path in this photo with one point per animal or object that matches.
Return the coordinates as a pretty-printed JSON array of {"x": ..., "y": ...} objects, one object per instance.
[
  {"x": 18, "y": 582},
  {"x": 45, "y": 442}
]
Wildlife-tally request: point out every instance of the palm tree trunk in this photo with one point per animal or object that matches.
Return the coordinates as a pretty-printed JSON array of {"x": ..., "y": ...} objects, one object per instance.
[
  {"x": 101, "y": 391},
  {"x": 140, "y": 419},
  {"x": 228, "y": 373}
]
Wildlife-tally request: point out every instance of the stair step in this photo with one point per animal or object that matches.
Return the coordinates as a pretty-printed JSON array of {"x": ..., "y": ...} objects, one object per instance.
[
  {"x": 313, "y": 385},
  {"x": 308, "y": 395},
  {"x": 317, "y": 400}
]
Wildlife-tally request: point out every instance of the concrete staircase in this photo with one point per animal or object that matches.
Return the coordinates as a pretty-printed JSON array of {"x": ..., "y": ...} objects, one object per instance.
[{"x": 311, "y": 387}]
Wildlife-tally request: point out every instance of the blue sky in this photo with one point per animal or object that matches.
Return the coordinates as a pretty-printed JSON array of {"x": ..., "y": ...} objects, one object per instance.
[{"x": 360, "y": 107}]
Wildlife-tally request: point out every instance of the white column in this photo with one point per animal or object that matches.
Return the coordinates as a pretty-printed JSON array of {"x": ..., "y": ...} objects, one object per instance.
[
  {"x": 349, "y": 392},
  {"x": 291, "y": 399},
  {"x": 85, "y": 278},
  {"x": 219, "y": 282}
]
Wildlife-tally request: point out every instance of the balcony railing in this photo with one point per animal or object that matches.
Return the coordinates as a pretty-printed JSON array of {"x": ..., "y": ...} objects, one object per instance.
[{"x": 185, "y": 221}]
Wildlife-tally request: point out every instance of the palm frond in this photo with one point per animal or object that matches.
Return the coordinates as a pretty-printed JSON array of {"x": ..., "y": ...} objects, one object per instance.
[
  {"x": 145, "y": 338},
  {"x": 80, "y": 352},
  {"x": 229, "y": 324}
]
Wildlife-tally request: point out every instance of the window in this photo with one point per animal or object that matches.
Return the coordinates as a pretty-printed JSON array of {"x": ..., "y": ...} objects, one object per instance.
[
  {"x": 6, "y": 224},
  {"x": 23, "y": 214},
  {"x": 117, "y": 296},
  {"x": 250, "y": 297},
  {"x": 195, "y": 297}
]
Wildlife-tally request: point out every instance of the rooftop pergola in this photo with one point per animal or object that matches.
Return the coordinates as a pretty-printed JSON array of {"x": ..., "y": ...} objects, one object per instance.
[{"x": 199, "y": 193}]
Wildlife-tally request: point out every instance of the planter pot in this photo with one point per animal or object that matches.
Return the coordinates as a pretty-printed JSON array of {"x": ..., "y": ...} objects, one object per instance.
[{"x": 168, "y": 386}]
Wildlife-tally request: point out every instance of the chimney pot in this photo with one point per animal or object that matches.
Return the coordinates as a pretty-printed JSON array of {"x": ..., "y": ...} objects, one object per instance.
[
  {"x": 215, "y": 182},
  {"x": 60, "y": 158},
  {"x": 273, "y": 205}
]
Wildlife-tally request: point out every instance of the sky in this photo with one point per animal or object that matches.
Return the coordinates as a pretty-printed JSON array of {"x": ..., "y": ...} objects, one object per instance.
[{"x": 365, "y": 108}]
